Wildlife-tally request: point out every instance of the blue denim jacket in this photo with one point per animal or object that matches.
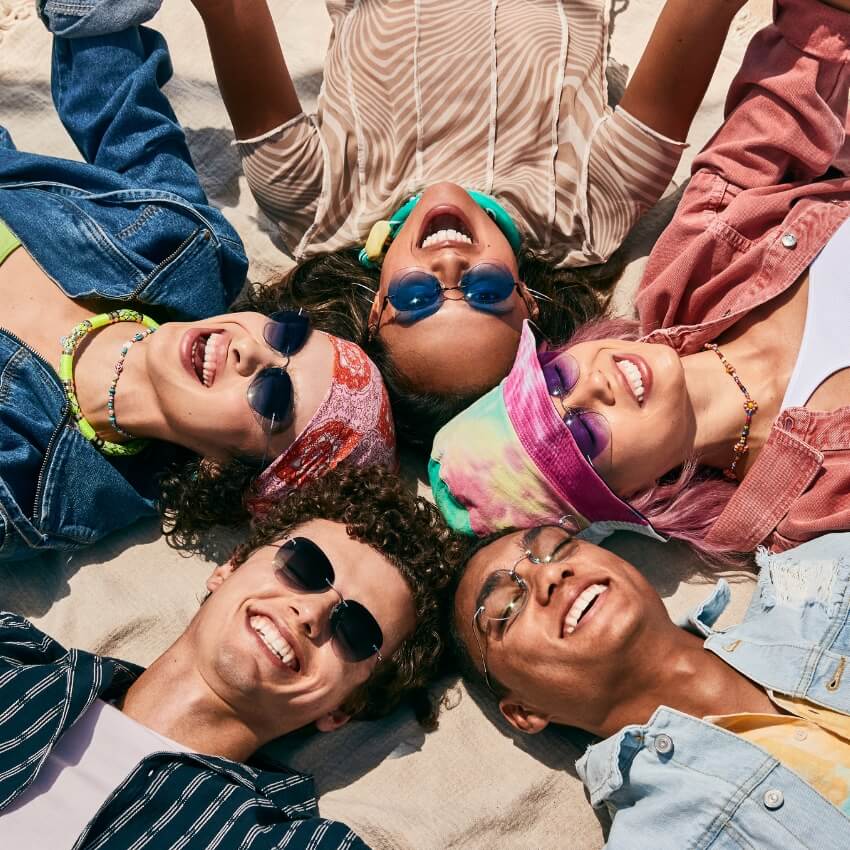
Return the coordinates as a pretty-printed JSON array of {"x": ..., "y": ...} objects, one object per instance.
[
  {"x": 682, "y": 782},
  {"x": 131, "y": 225}
]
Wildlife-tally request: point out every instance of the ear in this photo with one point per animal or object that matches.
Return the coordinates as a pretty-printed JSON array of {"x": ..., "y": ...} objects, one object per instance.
[
  {"x": 332, "y": 720},
  {"x": 375, "y": 313},
  {"x": 219, "y": 575},
  {"x": 522, "y": 718},
  {"x": 530, "y": 302}
]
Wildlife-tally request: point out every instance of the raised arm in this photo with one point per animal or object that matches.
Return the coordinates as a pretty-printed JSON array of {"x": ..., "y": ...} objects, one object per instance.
[
  {"x": 634, "y": 151},
  {"x": 787, "y": 107},
  {"x": 252, "y": 75},
  {"x": 669, "y": 83}
]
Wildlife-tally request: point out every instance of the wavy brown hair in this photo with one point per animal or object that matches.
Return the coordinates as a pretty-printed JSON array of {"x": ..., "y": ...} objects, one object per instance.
[
  {"x": 378, "y": 509},
  {"x": 337, "y": 291}
]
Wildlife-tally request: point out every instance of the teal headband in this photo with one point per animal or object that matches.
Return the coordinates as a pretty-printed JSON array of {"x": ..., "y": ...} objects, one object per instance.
[{"x": 383, "y": 232}]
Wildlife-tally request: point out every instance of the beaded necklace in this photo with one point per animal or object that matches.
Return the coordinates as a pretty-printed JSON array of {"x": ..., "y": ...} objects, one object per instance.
[
  {"x": 70, "y": 344},
  {"x": 750, "y": 407}
]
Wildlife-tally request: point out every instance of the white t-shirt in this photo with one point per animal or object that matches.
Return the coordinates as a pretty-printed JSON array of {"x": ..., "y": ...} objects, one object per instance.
[{"x": 89, "y": 762}]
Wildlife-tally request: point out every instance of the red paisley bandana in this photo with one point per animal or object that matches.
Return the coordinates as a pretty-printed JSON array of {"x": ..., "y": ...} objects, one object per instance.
[{"x": 354, "y": 423}]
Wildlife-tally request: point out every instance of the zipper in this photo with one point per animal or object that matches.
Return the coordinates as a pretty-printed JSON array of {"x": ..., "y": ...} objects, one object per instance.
[
  {"x": 66, "y": 409},
  {"x": 161, "y": 265}
]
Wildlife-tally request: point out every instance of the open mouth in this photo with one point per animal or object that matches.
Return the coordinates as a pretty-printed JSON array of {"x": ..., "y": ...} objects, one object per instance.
[
  {"x": 206, "y": 356},
  {"x": 637, "y": 376},
  {"x": 582, "y": 606},
  {"x": 274, "y": 641},
  {"x": 445, "y": 228}
]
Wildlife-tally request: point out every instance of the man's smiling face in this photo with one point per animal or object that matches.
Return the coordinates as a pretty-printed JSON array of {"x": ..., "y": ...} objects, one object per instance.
[
  {"x": 564, "y": 647},
  {"x": 265, "y": 647}
]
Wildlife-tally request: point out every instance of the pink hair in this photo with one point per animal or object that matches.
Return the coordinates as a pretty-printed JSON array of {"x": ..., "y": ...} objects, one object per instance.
[{"x": 684, "y": 507}]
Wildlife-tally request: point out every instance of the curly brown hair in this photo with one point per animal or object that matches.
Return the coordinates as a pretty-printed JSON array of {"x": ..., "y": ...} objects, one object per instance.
[
  {"x": 337, "y": 291},
  {"x": 195, "y": 496},
  {"x": 378, "y": 509}
]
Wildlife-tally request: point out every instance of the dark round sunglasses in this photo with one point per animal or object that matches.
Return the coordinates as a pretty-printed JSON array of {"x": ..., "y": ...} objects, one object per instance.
[
  {"x": 270, "y": 393},
  {"x": 356, "y": 633},
  {"x": 416, "y": 294}
]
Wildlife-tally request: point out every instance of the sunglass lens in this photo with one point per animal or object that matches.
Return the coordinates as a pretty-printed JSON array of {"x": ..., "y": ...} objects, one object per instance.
[
  {"x": 270, "y": 396},
  {"x": 304, "y": 564},
  {"x": 560, "y": 371},
  {"x": 356, "y": 632},
  {"x": 414, "y": 295},
  {"x": 287, "y": 330},
  {"x": 488, "y": 284},
  {"x": 591, "y": 432}
]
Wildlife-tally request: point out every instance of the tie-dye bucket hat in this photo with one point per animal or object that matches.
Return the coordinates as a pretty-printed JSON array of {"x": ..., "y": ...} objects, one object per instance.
[{"x": 509, "y": 461}]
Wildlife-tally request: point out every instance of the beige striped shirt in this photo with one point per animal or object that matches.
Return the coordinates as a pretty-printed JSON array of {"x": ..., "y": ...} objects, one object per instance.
[{"x": 505, "y": 96}]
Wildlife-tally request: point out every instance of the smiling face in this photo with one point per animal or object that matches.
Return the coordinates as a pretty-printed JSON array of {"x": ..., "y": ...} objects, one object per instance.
[
  {"x": 568, "y": 654},
  {"x": 264, "y": 646},
  {"x": 639, "y": 388},
  {"x": 200, "y": 373},
  {"x": 457, "y": 348}
]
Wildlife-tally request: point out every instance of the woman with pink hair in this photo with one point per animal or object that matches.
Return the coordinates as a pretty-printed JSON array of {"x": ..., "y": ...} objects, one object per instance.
[{"x": 721, "y": 417}]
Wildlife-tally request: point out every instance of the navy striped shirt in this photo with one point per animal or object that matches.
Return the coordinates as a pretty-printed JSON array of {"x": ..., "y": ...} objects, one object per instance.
[{"x": 183, "y": 801}]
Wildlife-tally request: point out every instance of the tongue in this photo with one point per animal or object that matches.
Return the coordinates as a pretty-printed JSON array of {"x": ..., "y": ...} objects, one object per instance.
[{"x": 445, "y": 221}]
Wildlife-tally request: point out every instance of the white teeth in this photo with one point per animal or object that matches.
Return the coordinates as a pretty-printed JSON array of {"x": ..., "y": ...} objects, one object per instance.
[
  {"x": 273, "y": 639},
  {"x": 446, "y": 236},
  {"x": 580, "y": 606},
  {"x": 632, "y": 374},
  {"x": 210, "y": 359}
]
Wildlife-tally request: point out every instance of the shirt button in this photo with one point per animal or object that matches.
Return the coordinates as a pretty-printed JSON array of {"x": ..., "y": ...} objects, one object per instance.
[
  {"x": 773, "y": 799},
  {"x": 801, "y": 735},
  {"x": 789, "y": 240},
  {"x": 664, "y": 745}
]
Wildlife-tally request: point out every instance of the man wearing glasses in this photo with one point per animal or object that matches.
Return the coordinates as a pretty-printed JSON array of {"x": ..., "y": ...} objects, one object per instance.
[
  {"x": 327, "y": 611},
  {"x": 733, "y": 739}
]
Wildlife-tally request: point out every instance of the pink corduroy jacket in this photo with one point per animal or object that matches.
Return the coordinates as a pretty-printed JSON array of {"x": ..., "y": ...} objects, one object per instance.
[{"x": 753, "y": 218}]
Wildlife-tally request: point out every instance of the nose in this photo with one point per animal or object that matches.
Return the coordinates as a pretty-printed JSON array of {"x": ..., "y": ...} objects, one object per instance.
[
  {"x": 593, "y": 386},
  {"x": 545, "y": 579},
  {"x": 247, "y": 354},
  {"x": 312, "y": 614},
  {"x": 449, "y": 266}
]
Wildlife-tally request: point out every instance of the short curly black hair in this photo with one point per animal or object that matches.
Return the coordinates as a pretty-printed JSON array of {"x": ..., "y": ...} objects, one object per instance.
[
  {"x": 459, "y": 657},
  {"x": 378, "y": 509}
]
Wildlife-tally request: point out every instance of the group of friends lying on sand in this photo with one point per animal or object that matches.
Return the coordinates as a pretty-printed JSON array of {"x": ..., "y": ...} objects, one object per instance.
[{"x": 454, "y": 209}]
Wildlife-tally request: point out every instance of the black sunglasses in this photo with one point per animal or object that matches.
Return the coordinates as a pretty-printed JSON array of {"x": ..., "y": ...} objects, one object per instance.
[
  {"x": 270, "y": 393},
  {"x": 356, "y": 633}
]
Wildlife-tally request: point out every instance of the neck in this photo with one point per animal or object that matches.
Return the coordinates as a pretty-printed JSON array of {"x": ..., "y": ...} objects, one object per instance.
[
  {"x": 718, "y": 405},
  {"x": 685, "y": 676},
  {"x": 94, "y": 371},
  {"x": 172, "y": 698}
]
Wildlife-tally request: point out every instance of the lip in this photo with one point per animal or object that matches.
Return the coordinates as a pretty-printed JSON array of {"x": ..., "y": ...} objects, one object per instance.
[
  {"x": 187, "y": 343},
  {"x": 645, "y": 375},
  {"x": 571, "y": 598},
  {"x": 287, "y": 635},
  {"x": 445, "y": 209}
]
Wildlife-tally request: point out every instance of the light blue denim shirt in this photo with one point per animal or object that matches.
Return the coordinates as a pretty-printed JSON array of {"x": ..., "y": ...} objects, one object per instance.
[
  {"x": 131, "y": 225},
  {"x": 680, "y": 782}
]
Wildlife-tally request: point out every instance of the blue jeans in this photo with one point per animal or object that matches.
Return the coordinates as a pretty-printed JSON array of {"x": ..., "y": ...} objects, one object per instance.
[{"x": 81, "y": 18}]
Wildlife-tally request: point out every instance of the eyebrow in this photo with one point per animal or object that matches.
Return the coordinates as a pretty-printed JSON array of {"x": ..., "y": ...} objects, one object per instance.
[{"x": 486, "y": 589}]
